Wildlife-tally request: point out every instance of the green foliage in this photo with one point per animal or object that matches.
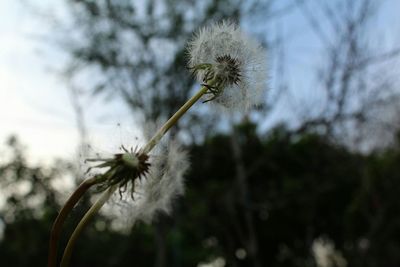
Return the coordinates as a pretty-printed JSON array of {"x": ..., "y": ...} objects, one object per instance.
[{"x": 298, "y": 188}]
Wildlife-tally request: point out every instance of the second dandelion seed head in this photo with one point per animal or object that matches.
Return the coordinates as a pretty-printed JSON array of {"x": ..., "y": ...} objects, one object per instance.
[{"x": 230, "y": 64}]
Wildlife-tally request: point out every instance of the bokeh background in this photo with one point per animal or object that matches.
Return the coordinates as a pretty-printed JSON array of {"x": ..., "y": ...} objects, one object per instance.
[{"x": 309, "y": 178}]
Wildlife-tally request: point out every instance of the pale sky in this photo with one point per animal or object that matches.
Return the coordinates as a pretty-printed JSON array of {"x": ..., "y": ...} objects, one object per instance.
[
  {"x": 34, "y": 100},
  {"x": 26, "y": 88}
]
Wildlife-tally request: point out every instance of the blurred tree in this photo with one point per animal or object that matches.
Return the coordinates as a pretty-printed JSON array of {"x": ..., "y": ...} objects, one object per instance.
[
  {"x": 136, "y": 50},
  {"x": 30, "y": 206},
  {"x": 300, "y": 188},
  {"x": 353, "y": 83},
  {"x": 253, "y": 201}
]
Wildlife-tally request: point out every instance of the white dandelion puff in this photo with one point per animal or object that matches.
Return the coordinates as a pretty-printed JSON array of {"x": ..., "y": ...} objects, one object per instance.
[{"x": 230, "y": 64}]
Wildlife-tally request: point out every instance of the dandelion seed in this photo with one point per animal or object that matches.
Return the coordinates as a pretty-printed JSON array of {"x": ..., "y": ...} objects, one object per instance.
[{"x": 230, "y": 64}]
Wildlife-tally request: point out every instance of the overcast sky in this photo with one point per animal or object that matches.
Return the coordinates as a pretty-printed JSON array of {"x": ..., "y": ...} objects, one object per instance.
[{"x": 34, "y": 101}]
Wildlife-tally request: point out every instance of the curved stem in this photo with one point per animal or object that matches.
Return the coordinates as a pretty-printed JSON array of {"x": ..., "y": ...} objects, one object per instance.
[
  {"x": 173, "y": 120},
  {"x": 62, "y": 215},
  {"x": 106, "y": 195},
  {"x": 85, "y": 220}
]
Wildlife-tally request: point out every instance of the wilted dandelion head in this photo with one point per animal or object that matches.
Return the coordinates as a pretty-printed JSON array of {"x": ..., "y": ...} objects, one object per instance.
[
  {"x": 123, "y": 169},
  {"x": 120, "y": 168},
  {"x": 154, "y": 192},
  {"x": 230, "y": 64},
  {"x": 147, "y": 182}
]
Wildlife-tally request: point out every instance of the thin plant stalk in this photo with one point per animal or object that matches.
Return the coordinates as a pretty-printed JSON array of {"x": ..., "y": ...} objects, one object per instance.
[
  {"x": 173, "y": 120},
  {"x": 85, "y": 220},
  {"x": 106, "y": 195},
  {"x": 62, "y": 215}
]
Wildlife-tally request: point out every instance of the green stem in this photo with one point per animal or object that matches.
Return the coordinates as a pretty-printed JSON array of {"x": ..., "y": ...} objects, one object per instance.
[
  {"x": 62, "y": 215},
  {"x": 85, "y": 220},
  {"x": 106, "y": 195},
  {"x": 174, "y": 119}
]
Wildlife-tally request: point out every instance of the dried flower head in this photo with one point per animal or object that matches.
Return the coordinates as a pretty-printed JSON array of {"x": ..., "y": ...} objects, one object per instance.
[
  {"x": 123, "y": 169},
  {"x": 147, "y": 182},
  {"x": 230, "y": 64},
  {"x": 164, "y": 182}
]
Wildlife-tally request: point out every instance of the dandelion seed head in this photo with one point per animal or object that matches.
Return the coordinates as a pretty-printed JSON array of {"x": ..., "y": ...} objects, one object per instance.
[
  {"x": 156, "y": 192},
  {"x": 244, "y": 78}
]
